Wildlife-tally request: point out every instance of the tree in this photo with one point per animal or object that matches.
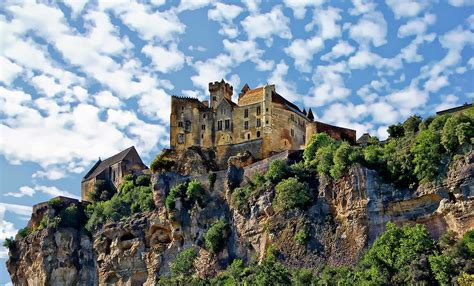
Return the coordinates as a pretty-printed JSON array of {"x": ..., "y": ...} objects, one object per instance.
[
  {"x": 291, "y": 194},
  {"x": 102, "y": 191},
  {"x": 411, "y": 124},
  {"x": 277, "y": 171},
  {"x": 373, "y": 155},
  {"x": 143, "y": 180},
  {"x": 183, "y": 265},
  {"x": 317, "y": 141},
  {"x": 427, "y": 155},
  {"x": 195, "y": 192},
  {"x": 177, "y": 191},
  {"x": 344, "y": 157},
  {"x": 214, "y": 238},
  {"x": 396, "y": 131},
  {"x": 457, "y": 131},
  {"x": 323, "y": 160}
]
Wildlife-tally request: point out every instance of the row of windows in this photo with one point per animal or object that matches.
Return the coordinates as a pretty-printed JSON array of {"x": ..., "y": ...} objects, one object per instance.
[{"x": 246, "y": 112}]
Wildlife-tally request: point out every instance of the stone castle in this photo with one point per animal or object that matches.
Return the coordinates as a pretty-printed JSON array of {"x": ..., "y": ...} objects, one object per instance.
[{"x": 262, "y": 122}]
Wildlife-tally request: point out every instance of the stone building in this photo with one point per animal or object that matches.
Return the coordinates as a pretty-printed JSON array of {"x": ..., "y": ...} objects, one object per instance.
[
  {"x": 112, "y": 170},
  {"x": 262, "y": 122},
  {"x": 456, "y": 110}
]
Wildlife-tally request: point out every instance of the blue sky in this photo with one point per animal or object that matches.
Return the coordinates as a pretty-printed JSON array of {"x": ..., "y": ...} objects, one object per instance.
[{"x": 81, "y": 80}]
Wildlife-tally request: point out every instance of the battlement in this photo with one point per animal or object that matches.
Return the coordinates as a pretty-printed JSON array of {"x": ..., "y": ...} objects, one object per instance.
[{"x": 216, "y": 86}]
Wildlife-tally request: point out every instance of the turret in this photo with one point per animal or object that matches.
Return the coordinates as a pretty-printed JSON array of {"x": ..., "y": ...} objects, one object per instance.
[{"x": 218, "y": 91}]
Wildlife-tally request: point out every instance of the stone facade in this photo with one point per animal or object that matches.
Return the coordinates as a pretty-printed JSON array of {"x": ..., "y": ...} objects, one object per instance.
[
  {"x": 112, "y": 170},
  {"x": 262, "y": 122}
]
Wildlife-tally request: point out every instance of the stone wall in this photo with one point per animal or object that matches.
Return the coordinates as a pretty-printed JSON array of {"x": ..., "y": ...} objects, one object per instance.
[
  {"x": 224, "y": 152},
  {"x": 338, "y": 133}
]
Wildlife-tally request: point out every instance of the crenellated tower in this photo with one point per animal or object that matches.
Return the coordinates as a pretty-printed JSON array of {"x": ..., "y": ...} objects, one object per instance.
[{"x": 218, "y": 91}]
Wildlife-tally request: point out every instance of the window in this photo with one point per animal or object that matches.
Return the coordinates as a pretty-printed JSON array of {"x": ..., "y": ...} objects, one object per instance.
[
  {"x": 266, "y": 122},
  {"x": 202, "y": 136},
  {"x": 246, "y": 113},
  {"x": 180, "y": 124},
  {"x": 292, "y": 133},
  {"x": 248, "y": 136},
  {"x": 204, "y": 115},
  {"x": 246, "y": 125},
  {"x": 219, "y": 125},
  {"x": 292, "y": 117},
  {"x": 182, "y": 107},
  {"x": 113, "y": 176},
  {"x": 203, "y": 127},
  {"x": 187, "y": 125},
  {"x": 180, "y": 138},
  {"x": 266, "y": 109},
  {"x": 258, "y": 134},
  {"x": 227, "y": 124},
  {"x": 259, "y": 122},
  {"x": 214, "y": 98},
  {"x": 258, "y": 110}
]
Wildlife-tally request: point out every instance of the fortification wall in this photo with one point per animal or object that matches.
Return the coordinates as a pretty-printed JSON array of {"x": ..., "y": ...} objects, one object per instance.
[
  {"x": 226, "y": 151},
  {"x": 336, "y": 132}
]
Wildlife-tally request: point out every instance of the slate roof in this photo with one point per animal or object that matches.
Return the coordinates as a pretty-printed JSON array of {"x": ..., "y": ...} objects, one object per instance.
[{"x": 102, "y": 165}]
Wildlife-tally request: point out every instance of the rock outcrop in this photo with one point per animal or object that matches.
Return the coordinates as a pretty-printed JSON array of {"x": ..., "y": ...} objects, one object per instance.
[{"x": 345, "y": 217}]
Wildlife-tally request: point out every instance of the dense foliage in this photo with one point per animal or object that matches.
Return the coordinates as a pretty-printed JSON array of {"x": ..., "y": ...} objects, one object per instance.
[
  {"x": 161, "y": 164},
  {"x": 189, "y": 192},
  {"x": 134, "y": 195},
  {"x": 290, "y": 194},
  {"x": 215, "y": 236}
]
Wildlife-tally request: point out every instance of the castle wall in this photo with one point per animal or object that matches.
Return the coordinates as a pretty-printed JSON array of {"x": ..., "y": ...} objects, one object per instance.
[
  {"x": 240, "y": 133},
  {"x": 226, "y": 151},
  {"x": 338, "y": 133}
]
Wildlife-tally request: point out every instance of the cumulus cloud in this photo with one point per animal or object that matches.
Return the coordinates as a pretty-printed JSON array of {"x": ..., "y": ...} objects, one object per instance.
[
  {"x": 225, "y": 14},
  {"x": 416, "y": 26},
  {"x": 284, "y": 86},
  {"x": 461, "y": 3},
  {"x": 371, "y": 28},
  {"x": 48, "y": 190},
  {"x": 341, "y": 49},
  {"x": 406, "y": 8},
  {"x": 299, "y": 6},
  {"x": 302, "y": 52},
  {"x": 165, "y": 59},
  {"x": 106, "y": 99},
  {"x": 267, "y": 25},
  {"x": 326, "y": 21}
]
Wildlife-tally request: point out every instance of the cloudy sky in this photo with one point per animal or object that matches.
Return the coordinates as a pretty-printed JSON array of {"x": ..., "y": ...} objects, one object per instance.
[{"x": 82, "y": 80}]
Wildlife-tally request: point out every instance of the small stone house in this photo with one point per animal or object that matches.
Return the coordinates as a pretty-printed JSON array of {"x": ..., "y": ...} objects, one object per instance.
[{"x": 112, "y": 170}]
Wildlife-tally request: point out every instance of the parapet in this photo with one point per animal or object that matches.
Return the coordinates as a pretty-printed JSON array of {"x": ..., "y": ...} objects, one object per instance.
[{"x": 215, "y": 86}]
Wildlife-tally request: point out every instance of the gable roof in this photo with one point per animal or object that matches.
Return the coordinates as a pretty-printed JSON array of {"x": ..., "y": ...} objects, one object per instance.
[
  {"x": 100, "y": 165},
  {"x": 251, "y": 96},
  {"x": 283, "y": 101}
]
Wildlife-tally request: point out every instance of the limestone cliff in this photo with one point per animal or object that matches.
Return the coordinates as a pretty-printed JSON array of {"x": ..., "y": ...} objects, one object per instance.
[{"x": 345, "y": 217}]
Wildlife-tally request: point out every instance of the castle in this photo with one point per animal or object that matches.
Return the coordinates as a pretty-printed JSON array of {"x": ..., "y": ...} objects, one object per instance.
[{"x": 262, "y": 122}]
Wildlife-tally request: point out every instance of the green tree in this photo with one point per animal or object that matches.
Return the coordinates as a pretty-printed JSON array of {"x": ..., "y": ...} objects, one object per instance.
[
  {"x": 426, "y": 155},
  {"x": 143, "y": 180},
  {"x": 195, "y": 192},
  {"x": 176, "y": 192},
  {"x": 323, "y": 160},
  {"x": 373, "y": 156},
  {"x": 317, "y": 141},
  {"x": 240, "y": 197},
  {"x": 214, "y": 238},
  {"x": 396, "y": 131},
  {"x": 9, "y": 243},
  {"x": 457, "y": 131},
  {"x": 411, "y": 124},
  {"x": 183, "y": 265},
  {"x": 291, "y": 194},
  {"x": 277, "y": 171},
  {"x": 344, "y": 157}
]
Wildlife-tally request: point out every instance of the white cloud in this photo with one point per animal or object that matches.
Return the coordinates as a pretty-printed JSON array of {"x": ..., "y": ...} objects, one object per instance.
[
  {"x": 460, "y": 3},
  {"x": 448, "y": 101},
  {"x": 225, "y": 14},
  {"x": 406, "y": 8},
  {"x": 326, "y": 20},
  {"x": 23, "y": 191},
  {"x": 416, "y": 26},
  {"x": 362, "y": 7},
  {"x": 9, "y": 72},
  {"x": 302, "y": 52},
  {"x": 341, "y": 49},
  {"x": 267, "y": 25},
  {"x": 106, "y": 99},
  {"x": 252, "y": 5},
  {"x": 209, "y": 70},
  {"x": 383, "y": 113},
  {"x": 193, "y": 4},
  {"x": 328, "y": 85},
  {"x": 371, "y": 28},
  {"x": 47, "y": 85},
  {"x": 283, "y": 86},
  {"x": 76, "y": 6},
  {"x": 408, "y": 99},
  {"x": 156, "y": 105},
  {"x": 299, "y": 6},
  {"x": 435, "y": 84},
  {"x": 49, "y": 190},
  {"x": 165, "y": 60}
]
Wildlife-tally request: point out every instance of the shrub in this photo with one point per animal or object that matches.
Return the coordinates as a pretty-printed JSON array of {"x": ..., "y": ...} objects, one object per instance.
[
  {"x": 177, "y": 191},
  {"x": 195, "y": 192},
  {"x": 302, "y": 277},
  {"x": 317, "y": 141},
  {"x": 396, "y": 131},
  {"x": 161, "y": 164},
  {"x": 468, "y": 240},
  {"x": 456, "y": 131},
  {"x": 55, "y": 203},
  {"x": 344, "y": 156},
  {"x": 373, "y": 155},
  {"x": 9, "y": 243},
  {"x": 277, "y": 171},
  {"x": 128, "y": 178},
  {"x": 103, "y": 191},
  {"x": 291, "y": 194},
  {"x": 301, "y": 237},
  {"x": 240, "y": 198},
  {"x": 214, "y": 238},
  {"x": 411, "y": 124},
  {"x": 324, "y": 159},
  {"x": 24, "y": 232},
  {"x": 399, "y": 161},
  {"x": 426, "y": 155},
  {"x": 302, "y": 172},
  {"x": 71, "y": 216},
  {"x": 143, "y": 180},
  {"x": 183, "y": 265}
]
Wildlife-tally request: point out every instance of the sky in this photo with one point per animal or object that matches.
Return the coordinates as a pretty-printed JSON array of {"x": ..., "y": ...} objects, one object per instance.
[{"x": 79, "y": 81}]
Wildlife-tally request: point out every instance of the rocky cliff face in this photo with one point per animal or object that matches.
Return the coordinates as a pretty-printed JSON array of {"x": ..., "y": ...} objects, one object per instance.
[{"x": 345, "y": 217}]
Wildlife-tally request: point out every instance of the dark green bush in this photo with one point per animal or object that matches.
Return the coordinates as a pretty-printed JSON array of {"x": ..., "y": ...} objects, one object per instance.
[
  {"x": 411, "y": 124},
  {"x": 71, "y": 216},
  {"x": 143, "y": 180},
  {"x": 396, "y": 131},
  {"x": 301, "y": 237},
  {"x": 214, "y": 238},
  {"x": 195, "y": 192},
  {"x": 161, "y": 164},
  {"x": 103, "y": 191},
  {"x": 9, "y": 243},
  {"x": 128, "y": 178},
  {"x": 178, "y": 191},
  {"x": 183, "y": 265},
  {"x": 426, "y": 155},
  {"x": 277, "y": 171},
  {"x": 55, "y": 203},
  {"x": 291, "y": 194},
  {"x": 240, "y": 198},
  {"x": 24, "y": 232},
  {"x": 316, "y": 142}
]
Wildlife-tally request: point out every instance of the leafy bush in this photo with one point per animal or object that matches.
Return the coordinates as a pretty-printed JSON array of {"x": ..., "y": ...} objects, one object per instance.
[
  {"x": 55, "y": 203},
  {"x": 143, "y": 180},
  {"x": 457, "y": 130},
  {"x": 426, "y": 155},
  {"x": 103, "y": 191},
  {"x": 301, "y": 237},
  {"x": 399, "y": 161},
  {"x": 373, "y": 155},
  {"x": 71, "y": 216},
  {"x": 323, "y": 160},
  {"x": 318, "y": 141},
  {"x": 177, "y": 191},
  {"x": 161, "y": 164},
  {"x": 411, "y": 124},
  {"x": 9, "y": 243},
  {"x": 240, "y": 198},
  {"x": 396, "y": 131},
  {"x": 195, "y": 192},
  {"x": 344, "y": 157},
  {"x": 277, "y": 171},
  {"x": 291, "y": 194},
  {"x": 183, "y": 265},
  {"x": 128, "y": 178},
  {"x": 24, "y": 232},
  {"x": 214, "y": 238}
]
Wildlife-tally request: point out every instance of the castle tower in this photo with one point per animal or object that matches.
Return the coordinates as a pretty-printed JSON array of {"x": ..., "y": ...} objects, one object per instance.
[{"x": 218, "y": 91}]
